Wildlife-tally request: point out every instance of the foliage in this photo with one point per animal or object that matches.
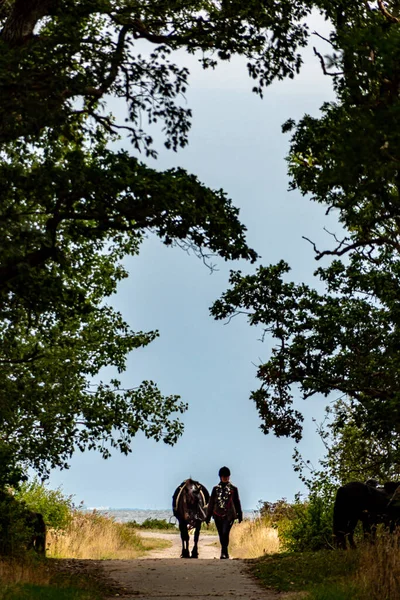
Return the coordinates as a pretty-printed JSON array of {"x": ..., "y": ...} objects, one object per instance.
[
  {"x": 72, "y": 207},
  {"x": 16, "y": 527},
  {"x": 369, "y": 572},
  {"x": 152, "y": 524},
  {"x": 344, "y": 336},
  {"x": 310, "y": 527},
  {"x": 274, "y": 512},
  {"x": 55, "y": 507},
  {"x": 352, "y": 453}
]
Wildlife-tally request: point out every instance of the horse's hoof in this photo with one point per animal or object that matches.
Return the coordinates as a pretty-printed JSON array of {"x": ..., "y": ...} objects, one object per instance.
[{"x": 195, "y": 555}]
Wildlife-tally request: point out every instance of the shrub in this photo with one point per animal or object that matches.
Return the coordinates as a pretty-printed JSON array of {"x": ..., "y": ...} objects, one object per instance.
[
  {"x": 274, "y": 512},
  {"x": 15, "y": 525},
  {"x": 310, "y": 525},
  {"x": 152, "y": 524},
  {"x": 54, "y": 505}
]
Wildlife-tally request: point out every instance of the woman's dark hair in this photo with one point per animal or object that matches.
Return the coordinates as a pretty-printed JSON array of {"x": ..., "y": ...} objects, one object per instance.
[{"x": 224, "y": 472}]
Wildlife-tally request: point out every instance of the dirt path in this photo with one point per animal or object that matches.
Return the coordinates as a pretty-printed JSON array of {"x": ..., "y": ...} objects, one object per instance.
[
  {"x": 208, "y": 545},
  {"x": 163, "y": 576}
]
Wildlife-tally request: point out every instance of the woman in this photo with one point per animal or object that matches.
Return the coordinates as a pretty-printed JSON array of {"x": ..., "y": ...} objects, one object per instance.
[{"x": 224, "y": 507}]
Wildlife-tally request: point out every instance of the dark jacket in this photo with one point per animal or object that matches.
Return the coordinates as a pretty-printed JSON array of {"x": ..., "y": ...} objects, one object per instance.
[{"x": 231, "y": 509}]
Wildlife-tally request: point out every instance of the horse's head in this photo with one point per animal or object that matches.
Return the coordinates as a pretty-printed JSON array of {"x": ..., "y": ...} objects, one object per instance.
[{"x": 192, "y": 489}]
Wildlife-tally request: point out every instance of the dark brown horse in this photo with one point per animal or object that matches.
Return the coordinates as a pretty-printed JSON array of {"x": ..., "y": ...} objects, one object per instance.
[
  {"x": 189, "y": 507},
  {"x": 20, "y": 527},
  {"x": 37, "y": 528},
  {"x": 357, "y": 501}
]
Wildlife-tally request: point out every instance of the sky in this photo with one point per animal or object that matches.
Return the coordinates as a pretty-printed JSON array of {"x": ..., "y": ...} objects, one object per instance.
[{"x": 236, "y": 144}]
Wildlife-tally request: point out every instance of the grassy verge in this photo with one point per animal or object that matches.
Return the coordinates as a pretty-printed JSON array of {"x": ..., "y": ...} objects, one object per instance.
[
  {"x": 251, "y": 539},
  {"x": 370, "y": 573},
  {"x": 32, "y": 578},
  {"x": 91, "y": 535},
  {"x": 302, "y": 571},
  {"x": 39, "y": 592}
]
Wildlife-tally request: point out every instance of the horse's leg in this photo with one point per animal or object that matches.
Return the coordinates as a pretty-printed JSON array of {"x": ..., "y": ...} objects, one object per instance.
[
  {"x": 185, "y": 539},
  {"x": 340, "y": 540},
  {"x": 350, "y": 535},
  {"x": 195, "y": 551},
  {"x": 368, "y": 527}
]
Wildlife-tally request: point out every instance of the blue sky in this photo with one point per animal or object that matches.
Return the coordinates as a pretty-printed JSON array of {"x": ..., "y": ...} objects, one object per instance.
[{"x": 235, "y": 144}]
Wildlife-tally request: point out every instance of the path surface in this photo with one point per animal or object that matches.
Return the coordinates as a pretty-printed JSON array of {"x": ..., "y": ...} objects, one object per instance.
[
  {"x": 208, "y": 545},
  {"x": 163, "y": 576}
]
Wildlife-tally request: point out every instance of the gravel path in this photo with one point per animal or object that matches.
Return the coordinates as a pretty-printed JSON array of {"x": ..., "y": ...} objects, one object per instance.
[{"x": 163, "y": 576}]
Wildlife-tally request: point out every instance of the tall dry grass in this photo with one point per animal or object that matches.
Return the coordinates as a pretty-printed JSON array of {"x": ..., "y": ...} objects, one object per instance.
[
  {"x": 90, "y": 535},
  {"x": 29, "y": 571},
  {"x": 251, "y": 539},
  {"x": 378, "y": 575}
]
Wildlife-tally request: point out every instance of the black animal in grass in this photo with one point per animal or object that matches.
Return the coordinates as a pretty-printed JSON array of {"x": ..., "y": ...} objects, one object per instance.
[
  {"x": 21, "y": 529},
  {"x": 367, "y": 503},
  {"x": 37, "y": 532},
  {"x": 189, "y": 507}
]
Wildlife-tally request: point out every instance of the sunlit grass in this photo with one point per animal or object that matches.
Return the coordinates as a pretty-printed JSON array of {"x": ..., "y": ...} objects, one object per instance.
[
  {"x": 372, "y": 572},
  {"x": 94, "y": 536},
  {"x": 251, "y": 539}
]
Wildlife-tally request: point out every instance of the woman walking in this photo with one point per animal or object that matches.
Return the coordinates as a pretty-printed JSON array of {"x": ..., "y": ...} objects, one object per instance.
[{"x": 224, "y": 506}]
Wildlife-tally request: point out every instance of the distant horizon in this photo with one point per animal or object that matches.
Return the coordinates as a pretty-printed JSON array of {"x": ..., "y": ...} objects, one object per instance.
[{"x": 83, "y": 507}]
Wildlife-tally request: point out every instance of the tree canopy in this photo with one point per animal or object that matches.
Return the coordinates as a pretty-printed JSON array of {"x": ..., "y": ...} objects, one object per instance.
[
  {"x": 72, "y": 206},
  {"x": 342, "y": 336}
]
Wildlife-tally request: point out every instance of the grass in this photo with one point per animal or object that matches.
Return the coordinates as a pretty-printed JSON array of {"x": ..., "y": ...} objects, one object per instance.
[
  {"x": 88, "y": 536},
  {"x": 297, "y": 571},
  {"x": 38, "y": 592},
  {"x": 251, "y": 539},
  {"x": 371, "y": 572},
  {"x": 32, "y": 578},
  {"x": 94, "y": 536}
]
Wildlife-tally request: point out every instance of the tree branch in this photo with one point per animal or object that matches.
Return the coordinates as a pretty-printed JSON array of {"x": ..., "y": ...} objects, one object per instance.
[
  {"x": 386, "y": 13},
  {"x": 321, "y": 60},
  {"x": 339, "y": 251}
]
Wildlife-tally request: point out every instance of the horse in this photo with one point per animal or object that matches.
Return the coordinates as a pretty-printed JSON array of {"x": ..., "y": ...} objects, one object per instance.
[
  {"x": 20, "y": 527},
  {"x": 37, "y": 528},
  {"x": 189, "y": 507},
  {"x": 357, "y": 501}
]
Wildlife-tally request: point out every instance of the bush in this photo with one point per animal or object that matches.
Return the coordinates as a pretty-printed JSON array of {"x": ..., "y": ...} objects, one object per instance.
[
  {"x": 54, "y": 505},
  {"x": 310, "y": 525},
  {"x": 15, "y": 525},
  {"x": 152, "y": 524},
  {"x": 274, "y": 512}
]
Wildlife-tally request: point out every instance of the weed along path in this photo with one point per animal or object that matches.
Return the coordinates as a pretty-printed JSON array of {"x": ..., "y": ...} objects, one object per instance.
[{"x": 162, "y": 575}]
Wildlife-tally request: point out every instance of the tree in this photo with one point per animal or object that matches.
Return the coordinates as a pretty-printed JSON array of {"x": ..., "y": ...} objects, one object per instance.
[
  {"x": 346, "y": 337},
  {"x": 72, "y": 207}
]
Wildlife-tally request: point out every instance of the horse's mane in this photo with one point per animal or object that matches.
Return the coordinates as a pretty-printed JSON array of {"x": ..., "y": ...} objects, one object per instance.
[{"x": 188, "y": 505}]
